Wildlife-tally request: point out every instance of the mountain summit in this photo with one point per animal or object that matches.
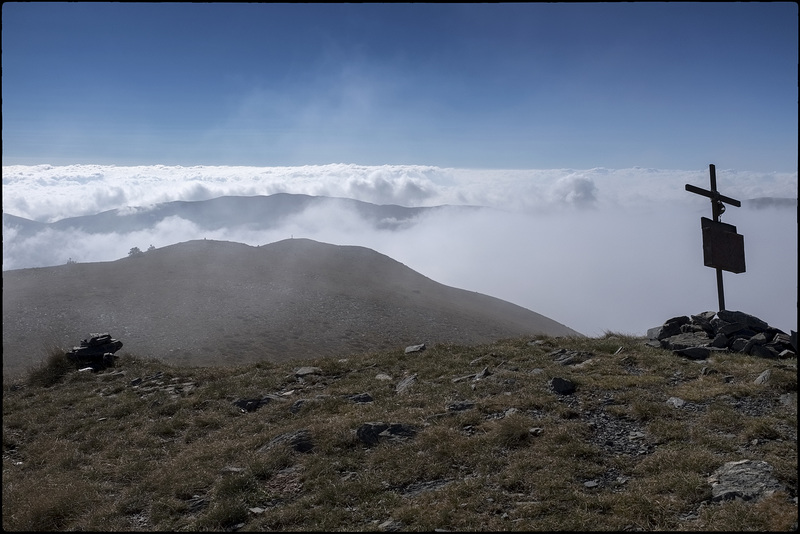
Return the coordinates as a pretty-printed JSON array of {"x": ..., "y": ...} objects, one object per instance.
[{"x": 213, "y": 302}]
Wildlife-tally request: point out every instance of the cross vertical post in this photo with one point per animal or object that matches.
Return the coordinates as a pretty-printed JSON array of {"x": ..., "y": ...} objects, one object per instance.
[{"x": 716, "y": 212}]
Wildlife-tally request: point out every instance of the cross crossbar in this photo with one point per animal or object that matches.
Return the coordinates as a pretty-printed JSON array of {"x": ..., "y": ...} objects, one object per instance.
[{"x": 713, "y": 195}]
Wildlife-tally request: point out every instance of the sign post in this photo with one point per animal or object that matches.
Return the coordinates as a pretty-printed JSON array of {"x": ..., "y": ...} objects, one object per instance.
[{"x": 723, "y": 248}]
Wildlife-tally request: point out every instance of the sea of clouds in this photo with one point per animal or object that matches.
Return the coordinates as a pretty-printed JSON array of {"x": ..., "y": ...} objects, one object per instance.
[{"x": 596, "y": 249}]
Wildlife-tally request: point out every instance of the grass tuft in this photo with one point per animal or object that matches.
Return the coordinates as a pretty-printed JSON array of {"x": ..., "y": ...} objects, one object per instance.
[{"x": 52, "y": 369}]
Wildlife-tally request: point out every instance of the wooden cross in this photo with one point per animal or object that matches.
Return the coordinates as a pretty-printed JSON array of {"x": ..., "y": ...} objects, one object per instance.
[
  {"x": 723, "y": 248},
  {"x": 717, "y": 206}
]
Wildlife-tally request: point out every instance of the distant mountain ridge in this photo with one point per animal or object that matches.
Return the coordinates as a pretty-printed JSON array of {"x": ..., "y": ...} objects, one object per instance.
[
  {"x": 212, "y": 302},
  {"x": 261, "y": 212},
  {"x": 256, "y": 212}
]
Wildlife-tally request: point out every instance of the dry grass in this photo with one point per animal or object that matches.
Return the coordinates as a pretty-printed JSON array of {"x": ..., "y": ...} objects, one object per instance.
[{"x": 171, "y": 451}]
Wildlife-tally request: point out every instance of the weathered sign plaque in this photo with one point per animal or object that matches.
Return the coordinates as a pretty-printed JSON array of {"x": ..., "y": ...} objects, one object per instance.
[{"x": 723, "y": 248}]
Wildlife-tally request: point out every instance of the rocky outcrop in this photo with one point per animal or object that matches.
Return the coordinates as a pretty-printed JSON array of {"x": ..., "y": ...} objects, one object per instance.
[{"x": 698, "y": 336}]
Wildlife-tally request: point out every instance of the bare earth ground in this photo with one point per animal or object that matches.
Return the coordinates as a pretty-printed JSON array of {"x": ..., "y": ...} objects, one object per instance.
[{"x": 211, "y": 302}]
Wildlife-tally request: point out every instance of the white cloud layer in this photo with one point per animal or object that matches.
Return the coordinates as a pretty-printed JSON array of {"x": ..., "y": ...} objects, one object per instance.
[{"x": 597, "y": 249}]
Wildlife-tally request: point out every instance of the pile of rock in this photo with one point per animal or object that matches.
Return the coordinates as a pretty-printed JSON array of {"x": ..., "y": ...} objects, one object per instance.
[
  {"x": 698, "y": 336},
  {"x": 96, "y": 353}
]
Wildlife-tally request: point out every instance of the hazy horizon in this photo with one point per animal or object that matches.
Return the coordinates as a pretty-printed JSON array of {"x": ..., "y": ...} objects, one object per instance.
[{"x": 596, "y": 249}]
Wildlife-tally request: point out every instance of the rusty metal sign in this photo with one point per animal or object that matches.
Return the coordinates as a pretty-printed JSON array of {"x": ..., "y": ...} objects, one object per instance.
[{"x": 723, "y": 248}]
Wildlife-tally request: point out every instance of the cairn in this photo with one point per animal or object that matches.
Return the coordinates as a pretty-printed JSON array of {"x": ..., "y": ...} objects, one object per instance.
[
  {"x": 97, "y": 352},
  {"x": 700, "y": 335}
]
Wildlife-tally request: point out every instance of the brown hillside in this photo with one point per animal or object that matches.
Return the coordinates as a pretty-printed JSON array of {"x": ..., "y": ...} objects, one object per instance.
[{"x": 211, "y": 302}]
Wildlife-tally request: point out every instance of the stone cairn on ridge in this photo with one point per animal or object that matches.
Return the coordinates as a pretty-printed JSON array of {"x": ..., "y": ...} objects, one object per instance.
[
  {"x": 699, "y": 336},
  {"x": 96, "y": 353}
]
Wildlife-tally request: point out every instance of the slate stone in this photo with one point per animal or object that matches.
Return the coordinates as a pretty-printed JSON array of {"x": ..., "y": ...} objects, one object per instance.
[
  {"x": 764, "y": 351},
  {"x": 723, "y": 327},
  {"x": 738, "y": 344},
  {"x": 562, "y": 386},
  {"x": 694, "y": 353},
  {"x": 299, "y": 441},
  {"x": 748, "y": 480},
  {"x": 459, "y": 406},
  {"x": 684, "y": 341},
  {"x": 361, "y": 398},
  {"x": 653, "y": 333},
  {"x": 305, "y": 371},
  {"x": 371, "y": 433},
  {"x": 673, "y": 326},
  {"x": 250, "y": 405},
  {"x": 751, "y": 321},
  {"x": 720, "y": 341},
  {"x": 676, "y": 402},
  {"x": 703, "y": 320},
  {"x": 763, "y": 378},
  {"x": 406, "y": 383}
]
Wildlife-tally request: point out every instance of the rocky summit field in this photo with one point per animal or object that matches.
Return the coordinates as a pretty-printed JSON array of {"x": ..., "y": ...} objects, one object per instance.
[{"x": 535, "y": 433}]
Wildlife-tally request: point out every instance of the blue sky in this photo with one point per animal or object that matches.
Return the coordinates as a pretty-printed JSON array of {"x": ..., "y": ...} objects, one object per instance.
[{"x": 493, "y": 86}]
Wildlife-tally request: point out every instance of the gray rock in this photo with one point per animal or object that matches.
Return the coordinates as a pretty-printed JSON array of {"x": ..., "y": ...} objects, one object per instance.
[
  {"x": 305, "y": 371},
  {"x": 390, "y": 525},
  {"x": 483, "y": 374},
  {"x": 703, "y": 320},
  {"x": 720, "y": 341},
  {"x": 672, "y": 327},
  {"x": 763, "y": 378},
  {"x": 738, "y": 344},
  {"x": 459, "y": 406},
  {"x": 250, "y": 405},
  {"x": 752, "y": 322},
  {"x": 415, "y": 348},
  {"x": 676, "y": 402},
  {"x": 764, "y": 351},
  {"x": 686, "y": 340},
  {"x": 361, "y": 398},
  {"x": 371, "y": 433},
  {"x": 756, "y": 340},
  {"x": 562, "y": 386},
  {"x": 299, "y": 441},
  {"x": 570, "y": 357},
  {"x": 745, "y": 479},
  {"x": 723, "y": 327},
  {"x": 406, "y": 383},
  {"x": 653, "y": 333},
  {"x": 695, "y": 353}
]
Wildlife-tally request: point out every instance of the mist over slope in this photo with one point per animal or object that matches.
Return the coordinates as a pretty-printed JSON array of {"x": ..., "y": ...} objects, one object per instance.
[{"x": 208, "y": 302}]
